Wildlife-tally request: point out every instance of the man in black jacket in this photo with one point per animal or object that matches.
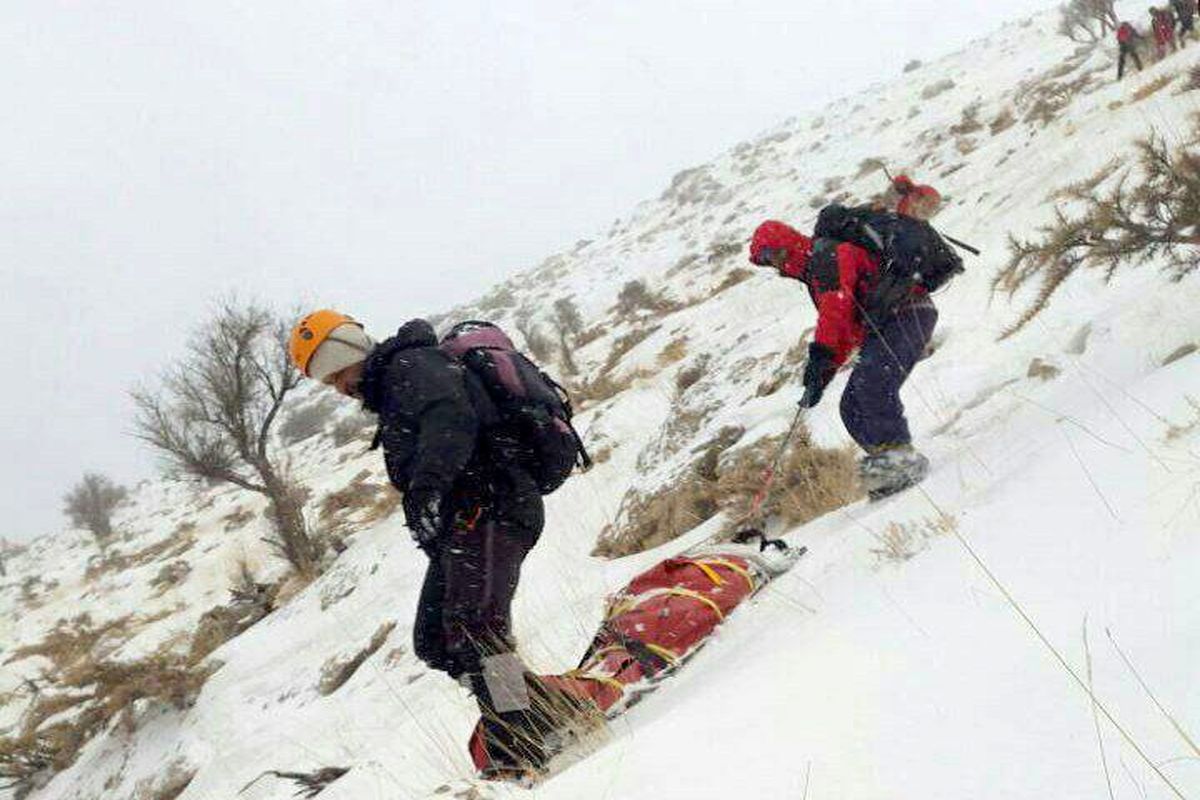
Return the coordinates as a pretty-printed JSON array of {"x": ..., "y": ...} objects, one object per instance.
[{"x": 474, "y": 512}]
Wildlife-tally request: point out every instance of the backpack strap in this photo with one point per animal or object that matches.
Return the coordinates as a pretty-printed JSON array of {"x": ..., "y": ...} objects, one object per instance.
[{"x": 584, "y": 459}]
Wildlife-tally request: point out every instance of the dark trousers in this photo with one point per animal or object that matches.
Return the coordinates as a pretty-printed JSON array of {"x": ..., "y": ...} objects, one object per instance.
[
  {"x": 464, "y": 613},
  {"x": 1128, "y": 51},
  {"x": 871, "y": 406}
]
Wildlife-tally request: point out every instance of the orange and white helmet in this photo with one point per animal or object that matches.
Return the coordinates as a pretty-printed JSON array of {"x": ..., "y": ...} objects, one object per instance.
[{"x": 326, "y": 341}]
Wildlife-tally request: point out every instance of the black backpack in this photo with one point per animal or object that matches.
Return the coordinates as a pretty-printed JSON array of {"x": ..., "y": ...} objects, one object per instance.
[
  {"x": 911, "y": 252},
  {"x": 535, "y": 413}
]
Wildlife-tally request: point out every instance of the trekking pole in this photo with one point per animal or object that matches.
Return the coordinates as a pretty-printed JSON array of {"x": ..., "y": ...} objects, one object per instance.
[
  {"x": 760, "y": 498},
  {"x": 963, "y": 245}
]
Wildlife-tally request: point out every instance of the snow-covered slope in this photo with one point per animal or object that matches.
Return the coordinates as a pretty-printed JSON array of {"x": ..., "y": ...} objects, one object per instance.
[{"x": 888, "y": 664}]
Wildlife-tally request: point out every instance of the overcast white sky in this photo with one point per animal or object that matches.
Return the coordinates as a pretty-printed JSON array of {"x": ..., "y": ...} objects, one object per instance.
[{"x": 389, "y": 158}]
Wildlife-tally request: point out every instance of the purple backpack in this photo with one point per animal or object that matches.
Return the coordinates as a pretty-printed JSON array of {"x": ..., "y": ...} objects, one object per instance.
[{"x": 535, "y": 414}]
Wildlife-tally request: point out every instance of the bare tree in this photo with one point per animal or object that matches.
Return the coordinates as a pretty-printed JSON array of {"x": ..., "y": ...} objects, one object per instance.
[
  {"x": 1087, "y": 21},
  {"x": 1150, "y": 213},
  {"x": 90, "y": 503},
  {"x": 212, "y": 416},
  {"x": 568, "y": 324}
]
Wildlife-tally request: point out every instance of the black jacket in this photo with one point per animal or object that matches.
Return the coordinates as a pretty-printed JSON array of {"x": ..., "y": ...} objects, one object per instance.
[{"x": 434, "y": 416}]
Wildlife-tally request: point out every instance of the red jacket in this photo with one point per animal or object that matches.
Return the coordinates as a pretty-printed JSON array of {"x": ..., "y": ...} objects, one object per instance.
[
  {"x": 1126, "y": 33},
  {"x": 838, "y": 293}
]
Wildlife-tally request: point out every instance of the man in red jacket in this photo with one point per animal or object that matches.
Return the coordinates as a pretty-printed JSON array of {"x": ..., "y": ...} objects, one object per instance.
[
  {"x": 1127, "y": 42},
  {"x": 840, "y": 278}
]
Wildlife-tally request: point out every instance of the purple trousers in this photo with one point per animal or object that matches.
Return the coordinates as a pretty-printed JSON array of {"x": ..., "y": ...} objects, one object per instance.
[{"x": 871, "y": 406}]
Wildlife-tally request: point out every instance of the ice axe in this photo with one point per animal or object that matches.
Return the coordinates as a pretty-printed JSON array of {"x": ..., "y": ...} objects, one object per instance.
[{"x": 756, "y": 531}]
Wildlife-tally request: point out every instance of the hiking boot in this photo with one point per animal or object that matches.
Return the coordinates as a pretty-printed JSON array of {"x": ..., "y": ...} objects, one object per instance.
[
  {"x": 892, "y": 470},
  {"x": 522, "y": 743}
]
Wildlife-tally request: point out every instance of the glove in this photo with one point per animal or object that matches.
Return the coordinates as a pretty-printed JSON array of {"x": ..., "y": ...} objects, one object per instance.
[
  {"x": 423, "y": 512},
  {"x": 818, "y": 372}
]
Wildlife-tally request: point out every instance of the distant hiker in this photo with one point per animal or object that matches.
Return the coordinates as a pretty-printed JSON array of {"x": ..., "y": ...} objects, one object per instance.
[
  {"x": 472, "y": 477},
  {"x": 1185, "y": 15},
  {"x": 1163, "y": 24},
  {"x": 885, "y": 314},
  {"x": 1127, "y": 41},
  {"x": 915, "y": 200}
]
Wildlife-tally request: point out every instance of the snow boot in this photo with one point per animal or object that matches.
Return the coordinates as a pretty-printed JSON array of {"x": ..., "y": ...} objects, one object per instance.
[{"x": 893, "y": 470}]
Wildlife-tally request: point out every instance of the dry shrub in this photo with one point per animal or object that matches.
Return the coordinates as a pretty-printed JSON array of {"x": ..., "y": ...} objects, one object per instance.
[
  {"x": 635, "y": 296},
  {"x": 356, "y": 496},
  {"x": 1151, "y": 214},
  {"x": 673, "y": 352},
  {"x": 1153, "y": 87},
  {"x": 172, "y": 547},
  {"x": 739, "y": 275},
  {"x": 603, "y": 387},
  {"x": 337, "y": 670},
  {"x": 624, "y": 345},
  {"x": 811, "y": 482},
  {"x": 690, "y": 375},
  {"x": 1002, "y": 122},
  {"x": 1042, "y": 370},
  {"x": 498, "y": 299},
  {"x": 360, "y": 500},
  {"x": 1179, "y": 353},
  {"x": 969, "y": 123},
  {"x": 913, "y": 66},
  {"x": 1088, "y": 186},
  {"x": 1176, "y": 432},
  {"x": 1193, "y": 79},
  {"x": 238, "y": 518},
  {"x": 934, "y": 89},
  {"x": 723, "y": 251},
  {"x": 171, "y": 575},
  {"x": 71, "y": 641},
  {"x": 590, "y": 335},
  {"x": 171, "y": 784},
  {"x": 648, "y": 521},
  {"x": 250, "y": 601},
  {"x": 899, "y": 542},
  {"x": 85, "y": 694}
]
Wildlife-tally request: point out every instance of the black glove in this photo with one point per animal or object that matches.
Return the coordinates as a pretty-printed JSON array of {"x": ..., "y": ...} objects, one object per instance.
[
  {"x": 818, "y": 372},
  {"x": 423, "y": 512}
]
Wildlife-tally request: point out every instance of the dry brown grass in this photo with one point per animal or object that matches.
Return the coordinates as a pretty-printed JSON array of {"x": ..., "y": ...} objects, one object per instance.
[
  {"x": 337, "y": 670},
  {"x": 674, "y": 352},
  {"x": 899, "y": 542},
  {"x": 812, "y": 481},
  {"x": 1042, "y": 370},
  {"x": 171, "y": 575},
  {"x": 735, "y": 277},
  {"x": 691, "y": 375},
  {"x": 1002, "y": 122},
  {"x": 1153, "y": 87},
  {"x": 83, "y": 694},
  {"x": 174, "y": 780}
]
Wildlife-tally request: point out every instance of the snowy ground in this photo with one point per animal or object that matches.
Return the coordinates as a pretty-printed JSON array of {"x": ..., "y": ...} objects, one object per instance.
[{"x": 856, "y": 676}]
